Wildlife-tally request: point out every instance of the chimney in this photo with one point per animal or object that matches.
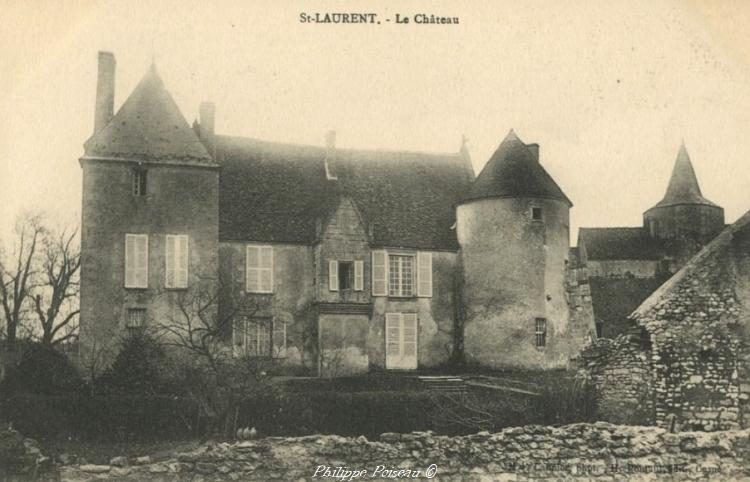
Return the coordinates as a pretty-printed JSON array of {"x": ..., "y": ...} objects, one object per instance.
[
  {"x": 330, "y": 160},
  {"x": 207, "y": 114},
  {"x": 105, "y": 90},
  {"x": 534, "y": 148}
]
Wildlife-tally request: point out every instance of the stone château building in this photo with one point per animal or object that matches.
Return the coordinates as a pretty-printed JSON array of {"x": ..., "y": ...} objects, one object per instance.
[{"x": 331, "y": 261}]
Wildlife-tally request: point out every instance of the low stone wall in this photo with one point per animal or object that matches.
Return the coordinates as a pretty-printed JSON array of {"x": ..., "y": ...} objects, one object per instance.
[{"x": 588, "y": 451}]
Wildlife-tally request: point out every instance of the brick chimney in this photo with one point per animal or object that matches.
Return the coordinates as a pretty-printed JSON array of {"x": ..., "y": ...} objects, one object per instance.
[
  {"x": 207, "y": 113},
  {"x": 105, "y": 90},
  {"x": 534, "y": 148},
  {"x": 330, "y": 160}
]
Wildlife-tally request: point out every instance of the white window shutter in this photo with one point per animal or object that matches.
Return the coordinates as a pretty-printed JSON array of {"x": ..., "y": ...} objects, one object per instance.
[
  {"x": 379, "y": 273},
  {"x": 333, "y": 275},
  {"x": 359, "y": 275},
  {"x": 170, "y": 258},
  {"x": 141, "y": 261},
  {"x": 266, "y": 273},
  {"x": 252, "y": 269},
  {"x": 181, "y": 261},
  {"x": 393, "y": 335},
  {"x": 424, "y": 274},
  {"x": 409, "y": 336},
  {"x": 130, "y": 261}
]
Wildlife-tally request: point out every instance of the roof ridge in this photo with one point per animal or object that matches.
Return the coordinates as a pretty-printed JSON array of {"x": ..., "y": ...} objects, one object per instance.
[{"x": 340, "y": 149}]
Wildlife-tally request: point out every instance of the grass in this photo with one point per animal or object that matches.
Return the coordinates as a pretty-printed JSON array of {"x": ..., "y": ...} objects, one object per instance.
[{"x": 101, "y": 452}]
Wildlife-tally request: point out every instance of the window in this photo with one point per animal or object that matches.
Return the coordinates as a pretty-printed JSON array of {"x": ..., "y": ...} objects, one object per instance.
[
  {"x": 599, "y": 328},
  {"x": 394, "y": 274},
  {"x": 259, "y": 269},
  {"x": 136, "y": 318},
  {"x": 346, "y": 275},
  {"x": 541, "y": 332},
  {"x": 136, "y": 260},
  {"x": 177, "y": 261},
  {"x": 259, "y": 337},
  {"x": 400, "y": 275},
  {"x": 139, "y": 182},
  {"x": 536, "y": 213}
]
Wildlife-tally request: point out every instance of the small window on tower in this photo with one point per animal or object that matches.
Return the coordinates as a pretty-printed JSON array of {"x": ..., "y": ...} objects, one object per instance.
[
  {"x": 136, "y": 318},
  {"x": 540, "y": 333},
  {"x": 536, "y": 214},
  {"x": 139, "y": 182}
]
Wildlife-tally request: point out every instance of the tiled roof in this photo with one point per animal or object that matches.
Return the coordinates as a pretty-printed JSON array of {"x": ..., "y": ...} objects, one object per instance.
[
  {"x": 620, "y": 243},
  {"x": 514, "y": 171},
  {"x": 277, "y": 192},
  {"x": 683, "y": 185},
  {"x": 148, "y": 127}
]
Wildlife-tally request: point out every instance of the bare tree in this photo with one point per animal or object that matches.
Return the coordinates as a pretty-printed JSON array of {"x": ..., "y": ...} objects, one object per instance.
[
  {"x": 56, "y": 297},
  {"x": 213, "y": 370},
  {"x": 18, "y": 273}
]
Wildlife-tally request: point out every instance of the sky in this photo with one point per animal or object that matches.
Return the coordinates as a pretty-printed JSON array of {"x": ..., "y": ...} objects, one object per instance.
[{"x": 609, "y": 89}]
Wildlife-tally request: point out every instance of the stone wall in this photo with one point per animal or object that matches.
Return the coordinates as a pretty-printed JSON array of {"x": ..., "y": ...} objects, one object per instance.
[
  {"x": 620, "y": 369},
  {"x": 695, "y": 329},
  {"x": 579, "y": 451}
]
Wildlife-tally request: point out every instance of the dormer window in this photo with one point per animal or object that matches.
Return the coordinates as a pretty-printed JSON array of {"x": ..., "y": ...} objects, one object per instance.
[
  {"x": 139, "y": 182},
  {"x": 536, "y": 214}
]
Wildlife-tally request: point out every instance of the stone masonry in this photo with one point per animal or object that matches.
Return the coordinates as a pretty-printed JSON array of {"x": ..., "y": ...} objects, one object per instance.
[
  {"x": 599, "y": 451},
  {"x": 693, "y": 332}
]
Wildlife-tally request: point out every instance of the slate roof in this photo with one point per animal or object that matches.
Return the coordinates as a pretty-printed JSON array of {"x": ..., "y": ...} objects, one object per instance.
[
  {"x": 513, "y": 171},
  {"x": 148, "y": 127},
  {"x": 276, "y": 192},
  {"x": 683, "y": 185},
  {"x": 620, "y": 243},
  {"x": 614, "y": 299}
]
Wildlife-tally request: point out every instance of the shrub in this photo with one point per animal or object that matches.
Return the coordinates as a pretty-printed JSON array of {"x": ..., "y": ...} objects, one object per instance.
[
  {"x": 570, "y": 401},
  {"x": 41, "y": 369},
  {"x": 138, "y": 367}
]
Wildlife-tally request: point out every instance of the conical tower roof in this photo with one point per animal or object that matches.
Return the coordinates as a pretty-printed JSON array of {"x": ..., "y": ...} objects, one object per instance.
[
  {"x": 683, "y": 185},
  {"x": 514, "y": 171},
  {"x": 148, "y": 126}
]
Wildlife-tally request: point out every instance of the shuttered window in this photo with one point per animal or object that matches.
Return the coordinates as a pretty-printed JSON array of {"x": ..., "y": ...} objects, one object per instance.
[
  {"x": 333, "y": 275},
  {"x": 359, "y": 275},
  {"x": 177, "y": 260},
  {"x": 136, "y": 260},
  {"x": 424, "y": 274},
  {"x": 259, "y": 269},
  {"x": 379, "y": 273}
]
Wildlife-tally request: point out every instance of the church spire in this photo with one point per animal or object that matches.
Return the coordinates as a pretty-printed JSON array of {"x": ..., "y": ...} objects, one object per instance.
[{"x": 683, "y": 185}]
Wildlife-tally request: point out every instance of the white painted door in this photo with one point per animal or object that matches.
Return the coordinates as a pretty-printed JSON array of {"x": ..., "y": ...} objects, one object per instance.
[{"x": 401, "y": 341}]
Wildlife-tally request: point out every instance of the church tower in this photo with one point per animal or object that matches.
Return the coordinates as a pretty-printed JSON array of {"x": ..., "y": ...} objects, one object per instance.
[
  {"x": 684, "y": 213},
  {"x": 513, "y": 232}
]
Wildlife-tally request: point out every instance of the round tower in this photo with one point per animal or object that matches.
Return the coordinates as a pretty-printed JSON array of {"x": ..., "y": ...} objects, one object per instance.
[
  {"x": 684, "y": 213},
  {"x": 513, "y": 230}
]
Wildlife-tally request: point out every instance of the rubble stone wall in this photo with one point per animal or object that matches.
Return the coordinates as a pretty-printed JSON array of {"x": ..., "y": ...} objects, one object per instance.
[{"x": 588, "y": 451}]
